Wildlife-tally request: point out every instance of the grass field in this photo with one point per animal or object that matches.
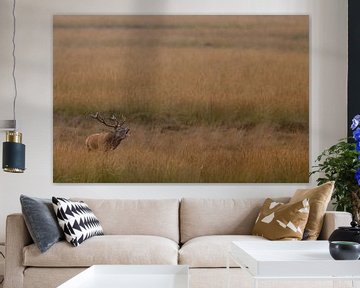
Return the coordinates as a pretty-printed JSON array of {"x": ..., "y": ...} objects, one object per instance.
[{"x": 221, "y": 99}]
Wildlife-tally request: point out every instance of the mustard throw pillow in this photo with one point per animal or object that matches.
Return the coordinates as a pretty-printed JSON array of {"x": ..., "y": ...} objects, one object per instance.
[
  {"x": 279, "y": 221},
  {"x": 319, "y": 198}
]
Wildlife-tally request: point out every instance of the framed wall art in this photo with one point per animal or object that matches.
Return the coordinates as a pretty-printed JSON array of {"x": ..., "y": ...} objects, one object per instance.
[{"x": 181, "y": 99}]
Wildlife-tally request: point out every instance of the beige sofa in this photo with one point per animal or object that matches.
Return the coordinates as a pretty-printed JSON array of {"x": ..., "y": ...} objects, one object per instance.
[{"x": 194, "y": 232}]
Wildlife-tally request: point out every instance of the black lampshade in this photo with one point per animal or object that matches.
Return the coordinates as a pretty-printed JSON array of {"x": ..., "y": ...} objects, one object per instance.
[{"x": 13, "y": 153}]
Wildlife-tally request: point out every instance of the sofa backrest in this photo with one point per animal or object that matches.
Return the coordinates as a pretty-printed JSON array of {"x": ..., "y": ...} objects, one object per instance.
[
  {"x": 159, "y": 217},
  {"x": 200, "y": 217}
]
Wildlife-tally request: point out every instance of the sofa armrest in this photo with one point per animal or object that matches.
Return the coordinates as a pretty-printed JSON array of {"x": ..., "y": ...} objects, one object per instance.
[
  {"x": 333, "y": 220},
  {"x": 17, "y": 237}
]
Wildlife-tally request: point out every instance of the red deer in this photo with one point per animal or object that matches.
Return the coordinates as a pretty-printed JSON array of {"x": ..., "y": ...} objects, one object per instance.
[{"x": 106, "y": 141}]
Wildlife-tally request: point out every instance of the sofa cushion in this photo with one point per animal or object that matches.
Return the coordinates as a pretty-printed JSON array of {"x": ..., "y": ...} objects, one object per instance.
[
  {"x": 319, "y": 198},
  {"x": 35, "y": 277},
  {"x": 200, "y": 217},
  {"x": 107, "y": 249},
  {"x": 77, "y": 220},
  {"x": 41, "y": 221},
  {"x": 158, "y": 217},
  {"x": 279, "y": 221},
  {"x": 211, "y": 251}
]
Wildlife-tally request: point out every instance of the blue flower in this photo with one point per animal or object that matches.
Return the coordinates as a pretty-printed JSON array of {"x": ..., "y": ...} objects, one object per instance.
[
  {"x": 356, "y": 134},
  {"x": 357, "y": 176},
  {"x": 355, "y": 122}
]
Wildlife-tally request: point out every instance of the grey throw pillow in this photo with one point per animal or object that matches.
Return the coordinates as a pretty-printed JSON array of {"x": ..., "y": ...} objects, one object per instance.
[{"x": 41, "y": 221}]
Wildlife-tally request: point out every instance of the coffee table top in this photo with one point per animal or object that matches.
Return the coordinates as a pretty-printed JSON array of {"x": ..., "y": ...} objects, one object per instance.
[
  {"x": 291, "y": 259},
  {"x": 131, "y": 276}
]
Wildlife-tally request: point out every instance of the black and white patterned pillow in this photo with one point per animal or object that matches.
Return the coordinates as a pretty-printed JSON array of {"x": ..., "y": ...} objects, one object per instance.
[{"x": 77, "y": 220}]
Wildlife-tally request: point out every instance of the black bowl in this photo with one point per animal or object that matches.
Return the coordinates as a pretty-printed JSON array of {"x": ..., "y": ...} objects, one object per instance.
[{"x": 344, "y": 250}]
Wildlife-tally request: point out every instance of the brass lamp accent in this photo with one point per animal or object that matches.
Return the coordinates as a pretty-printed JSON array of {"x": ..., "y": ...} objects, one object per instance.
[{"x": 14, "y": 136}]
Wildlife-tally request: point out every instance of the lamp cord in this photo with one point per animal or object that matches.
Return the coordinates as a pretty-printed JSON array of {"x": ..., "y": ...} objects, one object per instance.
[{"x": 14, "y": 60}]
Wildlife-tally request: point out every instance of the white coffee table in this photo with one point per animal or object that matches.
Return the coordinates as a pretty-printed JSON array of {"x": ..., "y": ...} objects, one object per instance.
[
  {"x": 131, "y": 276},
  {"x": 292, "y": 260}
]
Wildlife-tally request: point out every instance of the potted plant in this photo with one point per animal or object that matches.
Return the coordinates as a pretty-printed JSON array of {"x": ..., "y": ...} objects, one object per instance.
[{"x": 341, "y": 163}]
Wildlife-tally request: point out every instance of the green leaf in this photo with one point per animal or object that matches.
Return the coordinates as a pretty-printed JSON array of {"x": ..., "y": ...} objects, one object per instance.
[{"x": 339, "y": 163}]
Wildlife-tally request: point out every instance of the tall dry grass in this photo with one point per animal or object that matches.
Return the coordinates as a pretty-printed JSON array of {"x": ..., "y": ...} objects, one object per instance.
[
  {"x": 207, "y": 98},
  {"x": 161, "y": 74},
  {"x": 194, "y": 155}
]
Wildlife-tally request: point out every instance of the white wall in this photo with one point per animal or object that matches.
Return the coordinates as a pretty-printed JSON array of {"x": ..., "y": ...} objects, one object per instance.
[{"x": 34, "y": 74}]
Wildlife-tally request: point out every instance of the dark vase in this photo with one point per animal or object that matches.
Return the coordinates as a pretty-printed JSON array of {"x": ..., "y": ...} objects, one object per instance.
[
  {"x": 351, "y": 233},
  {"x": 343, "y": 250}
]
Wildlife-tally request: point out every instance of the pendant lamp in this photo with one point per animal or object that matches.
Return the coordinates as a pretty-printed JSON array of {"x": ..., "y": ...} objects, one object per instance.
[{"x": 13, "y": 160}]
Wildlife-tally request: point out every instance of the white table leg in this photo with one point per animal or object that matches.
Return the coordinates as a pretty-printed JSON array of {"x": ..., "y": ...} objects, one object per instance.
[
  {"x": 255, "y": 283},
  {"x": 228, "y": 269},
  {"x": 338, "y": 283},
  {"x": 355, "y": 283}
]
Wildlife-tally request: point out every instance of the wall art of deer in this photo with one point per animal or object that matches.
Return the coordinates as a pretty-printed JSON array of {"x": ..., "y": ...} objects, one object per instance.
[{"x": 110, "y": 140}]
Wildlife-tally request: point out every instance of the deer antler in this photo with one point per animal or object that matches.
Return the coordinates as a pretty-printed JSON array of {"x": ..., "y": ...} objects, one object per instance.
[
  {"x": 117, "y": 122},
  {"x": 98, "y": 117}
]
